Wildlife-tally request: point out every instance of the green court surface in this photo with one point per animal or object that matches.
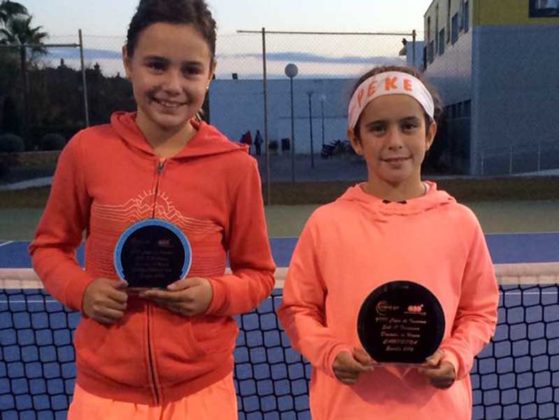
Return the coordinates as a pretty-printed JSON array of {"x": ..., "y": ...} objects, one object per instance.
[
  {"x": 287, "y": 221},
  {"x": 495, "y": 217}
]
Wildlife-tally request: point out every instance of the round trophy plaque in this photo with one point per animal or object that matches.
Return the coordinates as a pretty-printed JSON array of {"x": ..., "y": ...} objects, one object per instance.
[
  {"x": 401, "y": 322},
  {"x": 152, "y": 253}
]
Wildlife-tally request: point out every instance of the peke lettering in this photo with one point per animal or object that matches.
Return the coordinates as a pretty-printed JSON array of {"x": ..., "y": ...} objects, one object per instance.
[
  {"x": 360, "y": 96},
  {"x": 390, "y": 83},
  {"x": 407, "y": 85},
  {"x": 372, "y": 88}
]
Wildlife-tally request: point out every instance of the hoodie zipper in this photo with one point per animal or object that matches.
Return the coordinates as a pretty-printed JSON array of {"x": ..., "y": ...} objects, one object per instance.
[
  {"x": 151, "y": 362},
  {"x": 158, "y": 172},
  {"x": 151, "y": 355}
]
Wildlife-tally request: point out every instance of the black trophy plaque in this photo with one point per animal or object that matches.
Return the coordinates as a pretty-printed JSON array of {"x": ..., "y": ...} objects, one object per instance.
[
  {"x": 152, "y": 253},
  {"x": 401, "y": 322}
]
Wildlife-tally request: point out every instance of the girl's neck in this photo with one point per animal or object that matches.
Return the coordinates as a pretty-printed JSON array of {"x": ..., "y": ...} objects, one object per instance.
[
  {"x": 400, "y": 192},
  {"x": 166, "y": 143}
]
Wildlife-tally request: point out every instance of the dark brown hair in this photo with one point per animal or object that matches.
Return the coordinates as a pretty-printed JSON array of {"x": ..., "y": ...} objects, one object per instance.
[{"x": 188, "y": 12}]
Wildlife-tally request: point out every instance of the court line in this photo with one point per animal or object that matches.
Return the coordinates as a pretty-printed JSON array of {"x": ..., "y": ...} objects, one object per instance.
[
  {"x": 521, "y": 274},
  {"x": 6, "y": 243}
]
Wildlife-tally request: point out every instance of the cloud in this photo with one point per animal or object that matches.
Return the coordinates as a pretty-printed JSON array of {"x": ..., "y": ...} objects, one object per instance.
[
  {"x": 310, "y": 65},
  {"x": 88, "y": 53},
  {"x": 298, "y": 57}
]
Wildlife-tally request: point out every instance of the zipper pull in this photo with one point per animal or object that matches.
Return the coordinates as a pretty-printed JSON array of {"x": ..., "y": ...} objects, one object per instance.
[{"x": 160, "y": 166}]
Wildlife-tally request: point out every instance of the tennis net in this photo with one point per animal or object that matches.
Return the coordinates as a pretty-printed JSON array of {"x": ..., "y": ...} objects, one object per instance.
[{"x": 516, "y": 376}]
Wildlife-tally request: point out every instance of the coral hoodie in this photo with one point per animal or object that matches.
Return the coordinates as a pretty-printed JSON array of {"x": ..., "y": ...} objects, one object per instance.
[
  {"x": 109, "y": 178},
  {"x": 357, "y": 243}
]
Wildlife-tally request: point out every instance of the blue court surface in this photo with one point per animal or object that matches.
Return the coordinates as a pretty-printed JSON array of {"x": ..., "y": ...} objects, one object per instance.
[
  {"x": 504, "y": 248},
  {"x": 516, "y": 376}
]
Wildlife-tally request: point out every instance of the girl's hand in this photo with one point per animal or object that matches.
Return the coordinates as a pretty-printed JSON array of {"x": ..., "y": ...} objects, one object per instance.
[
  {"x": 105, "y": 300},
  {"x": 187, "y": 297},
  {"x": 349, "y": 366},
  {"x": 440, "y": 373}
]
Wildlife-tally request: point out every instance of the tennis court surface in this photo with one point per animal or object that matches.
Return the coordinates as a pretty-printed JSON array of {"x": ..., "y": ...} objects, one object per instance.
[{"x": 517, "y": 375}]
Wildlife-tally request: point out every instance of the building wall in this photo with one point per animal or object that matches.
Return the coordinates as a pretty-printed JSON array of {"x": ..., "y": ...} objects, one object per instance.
[
  {"x": 503, "y": 70},
  {"x": 508, "y": 12},
  {"x": 517, "y": 97},
  {"x": 450, "y": 71},
  {"x": 238, "y": 105}
]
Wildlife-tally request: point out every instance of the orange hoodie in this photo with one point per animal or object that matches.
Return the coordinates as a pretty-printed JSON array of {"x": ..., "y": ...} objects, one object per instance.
[
  {"x": 109, "y": 178},
  {"x": 357, "y": 243}
]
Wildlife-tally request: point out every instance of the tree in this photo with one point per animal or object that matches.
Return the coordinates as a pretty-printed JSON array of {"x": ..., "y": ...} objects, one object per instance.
[
  {"x": 19, "y": 32},
  {"x": 11, "y": 9}
]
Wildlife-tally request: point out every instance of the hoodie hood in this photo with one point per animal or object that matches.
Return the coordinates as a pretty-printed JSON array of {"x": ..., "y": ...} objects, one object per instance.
[
  {"x": 383, "y": 210},
  {"x": 207, "y": 140}
]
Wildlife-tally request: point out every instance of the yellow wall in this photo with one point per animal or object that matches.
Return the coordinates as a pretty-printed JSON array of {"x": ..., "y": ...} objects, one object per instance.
[
  {"x": 507, "y": 12},
  {"x": 487, "y": 12}
]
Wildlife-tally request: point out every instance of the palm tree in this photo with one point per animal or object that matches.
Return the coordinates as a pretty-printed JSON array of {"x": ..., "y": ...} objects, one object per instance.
[
  {"x": 18, "y": 32},
  {"x": 10, "y": 9}
]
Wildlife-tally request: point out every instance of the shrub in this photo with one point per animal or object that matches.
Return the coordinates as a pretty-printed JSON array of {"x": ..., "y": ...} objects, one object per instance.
[
  {"x": 11, "y": 143},
  {"x": 52, "y": 141}
]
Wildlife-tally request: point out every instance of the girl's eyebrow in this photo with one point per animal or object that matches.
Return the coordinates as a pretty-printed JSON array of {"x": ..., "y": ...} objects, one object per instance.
[
  {"x": 374, "y": 122},
  {"x": 385, "y": 120},
  {"x": 166, "y": 60},
  {"x": 155, "y": 58}
]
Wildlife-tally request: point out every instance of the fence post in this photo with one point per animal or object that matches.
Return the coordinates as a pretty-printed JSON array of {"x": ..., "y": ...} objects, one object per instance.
[
  {"x": 266, "y": 135},
  {"x": 539, "y": 164},
  {"x": 413, "y": 37},
  {"x": 84, "y": 81},
  {"x": 510, "y": 159}
]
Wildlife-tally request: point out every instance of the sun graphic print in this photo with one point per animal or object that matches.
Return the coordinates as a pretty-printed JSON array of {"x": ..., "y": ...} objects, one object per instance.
[{"x": 108, "y": 222}]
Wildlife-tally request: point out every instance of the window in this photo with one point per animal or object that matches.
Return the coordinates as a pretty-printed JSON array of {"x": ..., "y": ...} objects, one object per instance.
[
  {"x": 454, "y": 28},
  {"x": 448, "y": 20},
  {"x": 466, "y": 16},
  {"x": 461, "y": 14},
  {"x": 428, "y": 29},
  {"x": 467, "y": 109},
  {"x": 441, "y": 41},
  {"x": 544, "y": 8},
  {"x": 436, "y": 28},
  {"x": 430, "y": 52}
]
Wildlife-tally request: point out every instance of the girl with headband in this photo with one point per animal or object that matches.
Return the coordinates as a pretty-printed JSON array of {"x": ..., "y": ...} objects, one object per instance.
[
  {"x": 393, "y": 226},
  {"x": 165, "y": 353}
]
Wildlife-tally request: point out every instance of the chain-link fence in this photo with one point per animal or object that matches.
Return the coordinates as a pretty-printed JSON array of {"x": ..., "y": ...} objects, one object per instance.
[
  {"x": 46, "y": 96},
  {"x": 293, "y": 88},
  {"x": 300, "y": 120}
]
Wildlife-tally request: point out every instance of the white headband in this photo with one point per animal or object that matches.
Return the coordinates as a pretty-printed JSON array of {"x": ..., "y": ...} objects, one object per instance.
[{"x": 388, "y": 83}]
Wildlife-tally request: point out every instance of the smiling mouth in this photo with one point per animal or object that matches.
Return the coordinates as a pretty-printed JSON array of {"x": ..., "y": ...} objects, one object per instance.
[
  {"x": 396, "y": 159},
  {"x": 168, "y": 104}
]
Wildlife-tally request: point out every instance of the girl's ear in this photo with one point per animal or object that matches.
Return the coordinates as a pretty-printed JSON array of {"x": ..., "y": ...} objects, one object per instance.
[
  {"x": 212, "y": 69},
  {"x": 355, "y": 141},
  {"x": 126, "y": 61},
  {"x": 430, "y": 137}
]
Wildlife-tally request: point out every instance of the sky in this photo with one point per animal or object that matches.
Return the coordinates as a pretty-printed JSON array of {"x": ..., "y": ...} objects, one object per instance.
[
  {"x": 111, "y": 17},
  {"x": 104, "y": 24}
]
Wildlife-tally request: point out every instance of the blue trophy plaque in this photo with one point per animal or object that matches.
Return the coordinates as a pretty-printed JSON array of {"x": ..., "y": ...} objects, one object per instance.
[{"x": 152, "y": 253}]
